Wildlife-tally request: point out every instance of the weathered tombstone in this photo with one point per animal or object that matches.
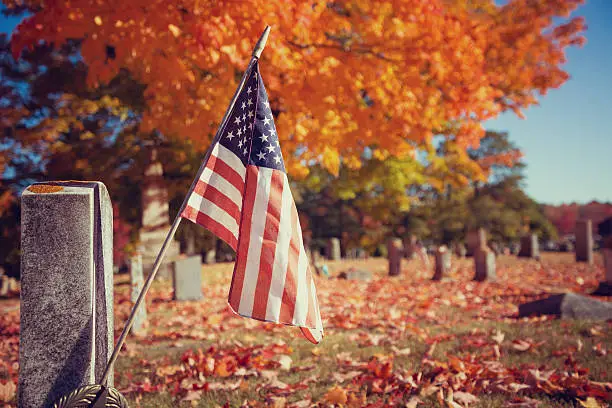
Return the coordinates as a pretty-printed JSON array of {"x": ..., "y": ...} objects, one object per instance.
[
  {"x": 460, "y": 250},
  {"x": 515, "y": 248},
  {"x": 4, "y": 283},
  {"x": 484, "y": 262},
  {"x": 605, "y": 230},
  {"x": 476, "y": 240},
  {"x": 395, "y": 252},
  {"x": 584, "y": 241},
  {"x": 66, "y": 334},
  {"x": 187, "y": 278},
  {"x": 211, "y": 257},
  {"x": 190, "y": 244},
  {"x": 443, "y": 263},
  {"x": 137, "y": 282},
  {"x": 569, "y": 306},
  {"x": 155, "y": 218},
  {"x": 333, "y": 249},
  {"x": 410, "y": 247},
  {"x": 356, "y": 274},
  {"x": 529, "y": 247}
]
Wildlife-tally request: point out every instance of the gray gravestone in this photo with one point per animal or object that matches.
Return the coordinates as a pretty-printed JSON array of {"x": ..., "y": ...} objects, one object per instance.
[
  {"x": 187, "y": 278},
  {"x": 66, "y": 335},
  {"x": 484, "y": 262},
  {"x": 584, "y": 241},
  {"x": 333, "y": 249},
  {"x": 4, "y": 285},
  {"x": 356, "y": 274},
  {"x": 476, "y": 240},
  {"x": 410, "y": 247},
  {"x": 137, "y": 282},
  {"x": 155, "y": 219},
  {"x": 211, "y": 257},
  {"x": 605, "y": 230},
  {"x": 443, "y": 263},
  {"x": 530, "y": 247},
  {"x": 460, "y": 250},
  {"x": 569, "y": 306},
  {"x": 395, "y": 252}
]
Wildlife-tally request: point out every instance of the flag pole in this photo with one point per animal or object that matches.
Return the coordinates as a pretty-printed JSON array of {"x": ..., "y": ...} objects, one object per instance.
[{"x": 177, "y": 220}]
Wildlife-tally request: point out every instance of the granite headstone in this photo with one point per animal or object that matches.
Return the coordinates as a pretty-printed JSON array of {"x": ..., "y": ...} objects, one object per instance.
[
  {"x": 584, "y": 241},
  {"x": 484, "y": 262},
  {"x": 187, "y": 278},
  {"x": 442, "y": 262},
  {"x": 137, "y": 282},
  {"x": 66, "y": 334},
  {"x": 395, "y": 252}
]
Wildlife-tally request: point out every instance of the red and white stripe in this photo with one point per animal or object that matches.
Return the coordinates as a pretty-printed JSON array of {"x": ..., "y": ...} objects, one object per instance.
[
  {"x": 272, "y": 279},
  {"x": 216, "y": 201}
]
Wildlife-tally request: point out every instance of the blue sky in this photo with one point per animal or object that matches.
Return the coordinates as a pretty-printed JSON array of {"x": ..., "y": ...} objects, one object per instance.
[{"x": 567, "y": 140}]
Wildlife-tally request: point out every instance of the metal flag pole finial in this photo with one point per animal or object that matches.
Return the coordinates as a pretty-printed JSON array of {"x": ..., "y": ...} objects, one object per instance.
[
  {"x": 261, "y": 43},
  {"x": 101, "y": 393}
]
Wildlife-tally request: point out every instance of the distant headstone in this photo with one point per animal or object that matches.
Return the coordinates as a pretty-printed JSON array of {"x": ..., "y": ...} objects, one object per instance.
[
  {"x": 187, "y": 278},
  {"x": 443, "y": 263},
  {"x": 190, "y": 244},
  {"x": 211, "y": 257},
  {"x": 584, "y": 241},
  {"x": 515, "y": 248},
  {"x": 410, "y": 247},
  {"x": 566, "y": 246},
  {"x": 137, "y": 282},
  {"x": 155, "y": 218},
  {"x": 460, "y": 250},
  {"x": 530, "y": 247},
  {"x": 484, "y": 262},
  {"x": 569, "y": 306},
  {"x": 605, "y": 230},
  {"x": 395, "y": 252},
  {"x": 333, "y": 249},
  {"x": 66, "y": 333},
  {"x": 476, "y": 240},
  {"x": 4, "y": 285},
  {"x": 356, "y": 274}
]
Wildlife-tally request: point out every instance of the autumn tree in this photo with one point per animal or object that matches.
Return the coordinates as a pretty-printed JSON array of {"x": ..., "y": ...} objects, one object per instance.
[{"x": 343, "y": 76}]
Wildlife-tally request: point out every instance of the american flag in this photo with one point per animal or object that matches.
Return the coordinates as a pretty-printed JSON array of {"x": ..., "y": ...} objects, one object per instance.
[{"x": 243, "y": 197}]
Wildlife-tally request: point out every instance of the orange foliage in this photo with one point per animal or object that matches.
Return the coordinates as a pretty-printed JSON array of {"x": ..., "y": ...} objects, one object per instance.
[{"x": 342, "y": 75}]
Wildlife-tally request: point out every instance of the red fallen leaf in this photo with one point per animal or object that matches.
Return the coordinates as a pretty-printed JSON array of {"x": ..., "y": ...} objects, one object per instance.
[{"x": 340, "y": 378}]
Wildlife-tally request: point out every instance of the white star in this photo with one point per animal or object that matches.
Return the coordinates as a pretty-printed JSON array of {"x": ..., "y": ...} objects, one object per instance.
[
  {"x": 244, "y": 151},
  {"x": 266, "y": 104},
  {"x": 249, "y": 91},
  {"x": 244, "y": 129},
  {"x": 271, "y": 132},
  {"x": 251, "y": 114},
  {"x": 264, "y": 138},
  {"x": 239, "y": 132},
  {"x": 277, "y": 159},
  {"x": 237, "y": 120},
  {"x": 240, "y": 143},
  {"x": 243, "y": 117},
  {"x": 230, "y": 135},
  {"x": 277, "y": 143},
  {"x": 250, "y": 102},
  {"x": 243, "y": 105},
  {"x": 270, "y": 148},
  {"x": 266, "y": 121},
  {"x": 261, "y": 155}
]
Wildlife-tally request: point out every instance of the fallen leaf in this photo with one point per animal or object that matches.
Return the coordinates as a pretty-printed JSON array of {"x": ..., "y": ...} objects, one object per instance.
[{"x": 336, "y": 395}]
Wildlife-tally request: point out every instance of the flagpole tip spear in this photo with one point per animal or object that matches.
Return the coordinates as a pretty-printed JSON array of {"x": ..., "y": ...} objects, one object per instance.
[{"x": 261, "y": 44}]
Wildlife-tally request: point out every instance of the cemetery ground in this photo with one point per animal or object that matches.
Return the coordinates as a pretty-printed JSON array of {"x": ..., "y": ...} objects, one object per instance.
[{"x": 390, "y": 341}]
